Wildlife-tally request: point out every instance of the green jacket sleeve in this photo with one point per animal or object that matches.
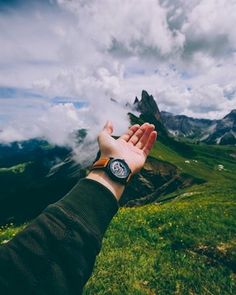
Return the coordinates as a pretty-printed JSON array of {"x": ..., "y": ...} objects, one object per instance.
[{"x": 55, "y": 254}]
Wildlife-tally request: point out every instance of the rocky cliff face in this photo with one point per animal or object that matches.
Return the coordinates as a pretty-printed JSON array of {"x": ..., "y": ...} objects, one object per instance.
[
  {"x": 147, "y": 105},
  {"x": 181, "y": 125},
  {"x": 224, "y": 131},
  {"x": 209, "y": 131}
]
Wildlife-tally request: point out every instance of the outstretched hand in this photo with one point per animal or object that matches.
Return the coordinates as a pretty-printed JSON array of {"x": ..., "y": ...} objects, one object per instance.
[{"x": 133, "y": 146}]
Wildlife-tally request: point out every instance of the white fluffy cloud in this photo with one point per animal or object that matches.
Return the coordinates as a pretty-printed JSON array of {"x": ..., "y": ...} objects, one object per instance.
[
  {"x": 56, "y": 124},
  {"x": 183, "y": 52}
]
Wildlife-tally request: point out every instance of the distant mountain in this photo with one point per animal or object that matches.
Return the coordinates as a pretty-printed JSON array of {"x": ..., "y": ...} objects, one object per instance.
[
  {"x": 181, "y": 125},
  {"x": 201, "y": 130},
  {"x": 223, "y": 131}
]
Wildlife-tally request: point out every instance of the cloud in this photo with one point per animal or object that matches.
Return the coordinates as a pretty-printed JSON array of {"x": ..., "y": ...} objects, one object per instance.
[
  {"x": 165, "y": 47},
  {"x": 183, "y": 52},
  {"x": 209, "y": 27}
]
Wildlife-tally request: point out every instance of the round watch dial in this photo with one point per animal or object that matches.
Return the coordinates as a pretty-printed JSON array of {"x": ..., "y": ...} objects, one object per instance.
[{"x": 119, "y": 168}]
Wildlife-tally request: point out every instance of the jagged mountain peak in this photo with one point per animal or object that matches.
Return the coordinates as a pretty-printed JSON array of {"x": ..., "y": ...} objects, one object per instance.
[
  {"x": 136, "y": 100},
  {"x": 147, "y": 105},
  {"x": 231, "y": 116}
]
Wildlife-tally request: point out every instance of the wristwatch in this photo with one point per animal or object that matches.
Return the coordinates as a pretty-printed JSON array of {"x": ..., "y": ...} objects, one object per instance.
[{"x": 117, "y": 169}]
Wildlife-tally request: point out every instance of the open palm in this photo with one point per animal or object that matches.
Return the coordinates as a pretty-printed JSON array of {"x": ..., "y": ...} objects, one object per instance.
[{"x": 133, "y": 146}]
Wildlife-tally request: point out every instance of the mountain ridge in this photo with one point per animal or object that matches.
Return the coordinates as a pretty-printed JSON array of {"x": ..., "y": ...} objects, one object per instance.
[{"x": 221, "y": 131}]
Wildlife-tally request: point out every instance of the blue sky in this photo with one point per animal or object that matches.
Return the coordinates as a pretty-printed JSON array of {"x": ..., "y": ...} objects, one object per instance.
[{"x": 56, "y": 54}]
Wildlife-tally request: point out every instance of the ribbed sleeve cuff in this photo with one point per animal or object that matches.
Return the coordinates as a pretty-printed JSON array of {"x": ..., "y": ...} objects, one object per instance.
[{"x": 92, "y": 203}]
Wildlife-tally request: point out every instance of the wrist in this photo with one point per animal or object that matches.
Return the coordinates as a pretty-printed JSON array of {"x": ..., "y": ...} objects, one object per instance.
[{"x": 101, "y": 176}]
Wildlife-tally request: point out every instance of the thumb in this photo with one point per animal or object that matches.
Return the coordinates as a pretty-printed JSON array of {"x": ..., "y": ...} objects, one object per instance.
[
  {"x": 108, "y": 127},
  {"x": 104, "y": 138}
]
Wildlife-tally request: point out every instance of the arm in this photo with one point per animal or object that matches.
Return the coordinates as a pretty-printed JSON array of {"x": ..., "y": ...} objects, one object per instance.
[{"x": 55, "y": 254}]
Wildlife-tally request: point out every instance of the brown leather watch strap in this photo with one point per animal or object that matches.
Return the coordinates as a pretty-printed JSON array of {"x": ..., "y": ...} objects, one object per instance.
[{"x": 101, "y": 163}]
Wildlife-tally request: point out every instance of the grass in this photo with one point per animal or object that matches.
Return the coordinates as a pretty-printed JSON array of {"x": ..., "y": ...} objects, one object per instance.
[
  {"x": 183, "y": 246},
  {"x": 9, "y": 231},
  {"x": 205, "y": 163},
  {"x": 187, "y": 246},
  {"x": 20, "y": 168}
]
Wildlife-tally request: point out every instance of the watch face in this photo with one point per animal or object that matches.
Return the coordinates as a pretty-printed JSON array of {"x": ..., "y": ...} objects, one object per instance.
[{"x": 119, "y": 168}]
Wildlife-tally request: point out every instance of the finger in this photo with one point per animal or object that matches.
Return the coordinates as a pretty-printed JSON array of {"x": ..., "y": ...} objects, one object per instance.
[
  {"x": 150, "y": 142},
  {"x": 108, "y": 127},
  {"x": 143, "y": 140},
  {"x": 130, "y": 132},
  {"x": 137, "y": 135}
]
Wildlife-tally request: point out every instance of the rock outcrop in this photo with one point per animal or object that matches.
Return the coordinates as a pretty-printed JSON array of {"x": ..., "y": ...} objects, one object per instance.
[
  {"x": 156, "y": 180},
  {"x": 147, "y": 105}
]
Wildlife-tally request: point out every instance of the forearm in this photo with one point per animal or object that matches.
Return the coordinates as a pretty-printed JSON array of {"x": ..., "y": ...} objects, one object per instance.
[
  {"x": 55, "y": 254},
  {"x": 100, "y": 176}
]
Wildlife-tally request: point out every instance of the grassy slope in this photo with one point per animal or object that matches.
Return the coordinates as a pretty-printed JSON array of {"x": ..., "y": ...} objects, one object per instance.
[{"x": 185, "y": 246}]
